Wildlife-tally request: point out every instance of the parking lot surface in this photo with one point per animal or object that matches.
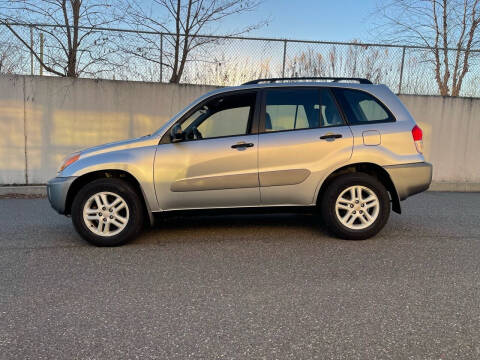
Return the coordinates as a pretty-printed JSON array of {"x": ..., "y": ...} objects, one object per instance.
[{"x": 240, "y": 287}]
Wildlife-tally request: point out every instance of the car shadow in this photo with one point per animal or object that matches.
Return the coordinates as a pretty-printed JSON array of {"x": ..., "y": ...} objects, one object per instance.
[
  {"x": 238, "y": 220},
  {"x": 261, "y": 227}
]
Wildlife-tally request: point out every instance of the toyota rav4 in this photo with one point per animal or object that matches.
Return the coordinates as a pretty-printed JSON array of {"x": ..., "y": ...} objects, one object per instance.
[{"x": 346, "y": 149}]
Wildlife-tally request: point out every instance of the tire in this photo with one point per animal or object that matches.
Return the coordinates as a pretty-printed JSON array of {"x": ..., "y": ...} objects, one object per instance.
[
  {"x": 125, "y": 220},
  {"x": 369, "y": 206}
]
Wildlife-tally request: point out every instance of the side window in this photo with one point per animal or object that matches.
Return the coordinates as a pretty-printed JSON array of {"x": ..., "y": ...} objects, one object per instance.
[
  {"x": 362, "y": 107},
  {"x": 293, "y": 109},
  {"x": 224, "y": 116}
]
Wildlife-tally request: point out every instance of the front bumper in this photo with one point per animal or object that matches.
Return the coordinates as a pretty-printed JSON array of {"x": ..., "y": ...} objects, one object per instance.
[
  {"x": 57, "y": 190},
  {"x": 410, "y": 179}
]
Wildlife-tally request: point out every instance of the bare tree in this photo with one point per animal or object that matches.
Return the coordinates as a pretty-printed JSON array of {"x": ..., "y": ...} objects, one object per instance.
[
  {"x": 75, "y": 44},
  {"x": 449, "y": 28},
  {"x": 353, "y": 60},
  {"x": 183, "y": 21},
  {"x": 12, "y": 57},
  {"x": 11, "y": 60}
]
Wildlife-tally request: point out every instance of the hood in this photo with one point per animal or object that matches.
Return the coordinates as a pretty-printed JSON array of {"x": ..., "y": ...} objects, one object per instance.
[{"x": 142, "y": 141}]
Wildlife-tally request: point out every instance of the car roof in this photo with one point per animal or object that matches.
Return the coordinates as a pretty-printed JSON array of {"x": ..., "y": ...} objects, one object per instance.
[{"x": 366, "y": 87}]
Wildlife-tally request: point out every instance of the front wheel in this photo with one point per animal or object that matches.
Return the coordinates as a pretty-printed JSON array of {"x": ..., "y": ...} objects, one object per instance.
[
  {"x": 107, "y": 212},
  {"x": 355, "y": 206}
]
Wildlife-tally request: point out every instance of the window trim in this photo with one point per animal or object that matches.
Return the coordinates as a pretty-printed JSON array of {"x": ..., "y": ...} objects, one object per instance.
[
  {"x": 340, "y": 100},
  {"x": 263, "y": 106},
  {"x": 252, "y": 126}
]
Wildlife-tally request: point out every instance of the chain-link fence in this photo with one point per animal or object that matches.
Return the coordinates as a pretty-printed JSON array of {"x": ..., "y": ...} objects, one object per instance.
[{"x": 150, "y": 56}]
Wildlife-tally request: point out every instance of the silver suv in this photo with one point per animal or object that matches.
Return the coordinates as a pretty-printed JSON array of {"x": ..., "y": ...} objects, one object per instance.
[{"x": 343, "y": 148}]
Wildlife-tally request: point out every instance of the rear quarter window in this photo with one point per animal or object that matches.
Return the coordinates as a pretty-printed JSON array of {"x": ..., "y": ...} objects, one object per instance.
[{"x": 361, "y": 107}]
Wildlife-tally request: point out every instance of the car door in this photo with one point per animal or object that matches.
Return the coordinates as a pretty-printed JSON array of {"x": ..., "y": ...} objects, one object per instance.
[
  {"x": 215, "y": 162},
  {"x": 303, "y": 137}
]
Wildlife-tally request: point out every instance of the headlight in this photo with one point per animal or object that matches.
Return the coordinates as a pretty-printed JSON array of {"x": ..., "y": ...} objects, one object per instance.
[{"x": 68, "y": 161}]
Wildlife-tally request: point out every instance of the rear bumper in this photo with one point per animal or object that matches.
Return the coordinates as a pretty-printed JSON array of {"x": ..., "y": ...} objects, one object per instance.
[
  {"x": 57, "y": 190},
  {"x": 410, "y": 179}
]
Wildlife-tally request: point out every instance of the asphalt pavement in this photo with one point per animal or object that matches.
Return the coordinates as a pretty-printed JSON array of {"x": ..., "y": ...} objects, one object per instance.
[{"x": 244, "y": 287}]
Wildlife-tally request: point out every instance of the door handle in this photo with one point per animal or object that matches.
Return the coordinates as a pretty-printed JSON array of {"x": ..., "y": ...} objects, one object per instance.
[
  {"x": 330, "y": 137},
  {"x": 242, "y": 145}
]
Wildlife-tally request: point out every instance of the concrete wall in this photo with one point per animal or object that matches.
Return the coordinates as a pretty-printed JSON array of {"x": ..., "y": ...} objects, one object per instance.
[
  {"x": 42, "y": 119},
  {"x": 451, "y": 129}
]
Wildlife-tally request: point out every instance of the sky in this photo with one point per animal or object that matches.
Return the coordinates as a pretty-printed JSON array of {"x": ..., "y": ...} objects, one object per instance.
[
  {"x": 328, "y": 20},
  {"x": 336, "y": 20}
]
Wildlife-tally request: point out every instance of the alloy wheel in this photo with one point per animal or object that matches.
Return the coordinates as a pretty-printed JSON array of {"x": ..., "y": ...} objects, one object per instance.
[
  {"x": 106, "y": 214},
  {"x": 357, "y": 207}
]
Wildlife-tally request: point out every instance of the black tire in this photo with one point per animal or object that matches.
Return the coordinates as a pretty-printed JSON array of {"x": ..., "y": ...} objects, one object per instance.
[
  {"x": 116, "y": 186},
  {"x": 335, "y": 189}
]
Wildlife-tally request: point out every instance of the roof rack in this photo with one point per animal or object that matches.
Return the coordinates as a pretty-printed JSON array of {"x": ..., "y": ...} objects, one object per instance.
[{"x": 334, "y": 79}]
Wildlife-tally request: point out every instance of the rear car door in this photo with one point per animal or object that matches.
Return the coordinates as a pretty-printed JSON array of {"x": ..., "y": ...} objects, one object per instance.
[
  {"x": 216, "y": 164},
  {"x": 303, "y": 136}
]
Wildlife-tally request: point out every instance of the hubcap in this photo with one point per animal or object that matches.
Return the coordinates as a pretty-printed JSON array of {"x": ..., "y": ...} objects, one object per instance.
[
  {"x": 357, "y": 207},
  {"x": 108, "y": 202}
]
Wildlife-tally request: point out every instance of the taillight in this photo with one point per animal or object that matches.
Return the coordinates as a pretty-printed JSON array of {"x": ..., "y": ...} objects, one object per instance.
[{"x": 418, "y": 138}]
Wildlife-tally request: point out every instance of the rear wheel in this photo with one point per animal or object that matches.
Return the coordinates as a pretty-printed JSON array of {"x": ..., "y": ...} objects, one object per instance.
[
  {"x": 107, "y": 212},
  {"x": 355, "y": 206}
]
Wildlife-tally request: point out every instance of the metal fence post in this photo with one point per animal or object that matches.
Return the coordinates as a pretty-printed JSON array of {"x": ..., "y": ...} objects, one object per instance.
[
  {"x": 161, "y": 57},
  {"x": 401, "y": 71},
  {"x": 41, "y": 53},
  {"x": 31, "y": 51},
  {"x": 284, "y": 57}
]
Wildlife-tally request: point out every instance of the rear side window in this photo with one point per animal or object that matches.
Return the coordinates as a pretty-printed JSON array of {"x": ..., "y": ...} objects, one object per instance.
[
  {"x": 294, "y": 109},
  {"x": 361, "y": 107}
]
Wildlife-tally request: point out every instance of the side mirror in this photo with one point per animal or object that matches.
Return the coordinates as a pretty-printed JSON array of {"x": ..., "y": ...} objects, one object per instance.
[{"x": 176, "y": 133}]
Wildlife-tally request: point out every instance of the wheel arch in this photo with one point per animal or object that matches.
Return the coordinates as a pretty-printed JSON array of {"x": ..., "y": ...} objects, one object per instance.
[
  {"x": 368, "y": 168},
  {"x": 84, "y": 179}
]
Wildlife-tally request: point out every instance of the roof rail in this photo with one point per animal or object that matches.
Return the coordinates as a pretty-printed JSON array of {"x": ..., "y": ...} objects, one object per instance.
[{"x": 334, "y": 79}]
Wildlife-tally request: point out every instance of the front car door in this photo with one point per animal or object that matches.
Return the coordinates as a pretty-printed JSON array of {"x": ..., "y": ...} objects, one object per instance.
[
  {"x": 303, "y": 138},
  {"x": 216, "y": 163}
]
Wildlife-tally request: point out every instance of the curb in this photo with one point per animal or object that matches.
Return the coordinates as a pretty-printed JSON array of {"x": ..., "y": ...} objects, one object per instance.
[
  {"x": 455, "y": 187},
  {"x": 23, "y": 190}
]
